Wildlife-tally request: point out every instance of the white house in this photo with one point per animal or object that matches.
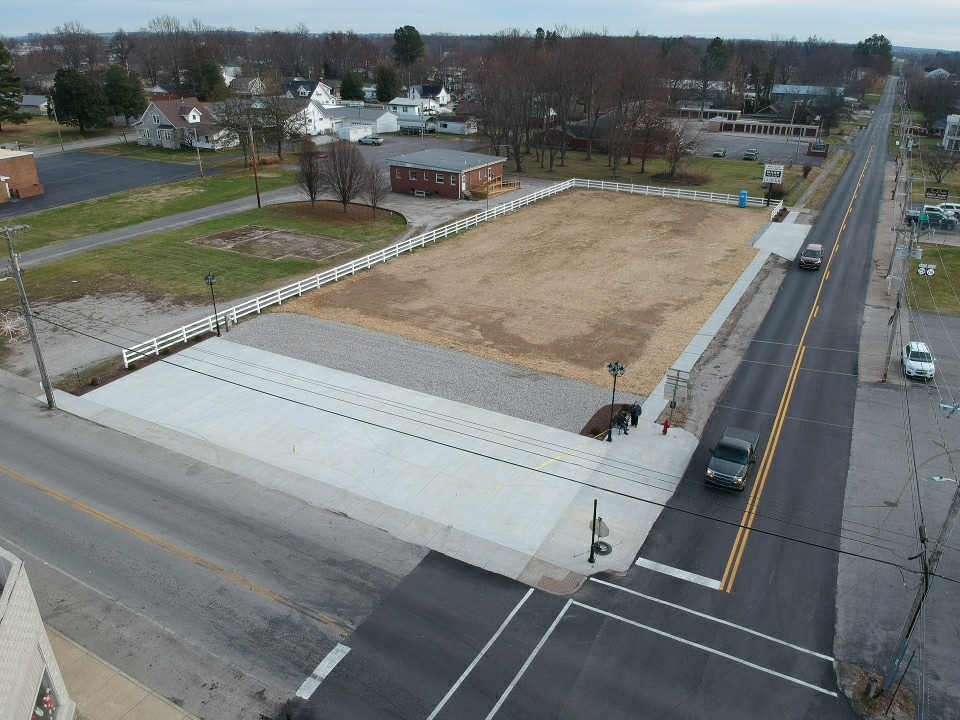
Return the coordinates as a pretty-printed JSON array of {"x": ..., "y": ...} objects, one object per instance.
[
  {"x": 436, "y": 93},
  {"x": 456, "y": 124},
  {"x": 951, "y": 133},
  {"x": 246, "y": 87},
  {"x": 180, "y": 123},
  {"x": 411, "y": 112},
  {"x": 35, "y": 105},
  {"x": 298, "y": 87}
]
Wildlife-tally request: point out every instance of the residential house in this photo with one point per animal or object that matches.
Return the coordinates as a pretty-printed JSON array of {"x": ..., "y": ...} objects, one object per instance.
[
  {"x": 378, "y": 120},
  {"x": 443, "y": 172},
  {"x": 411, "y": 113},
  {"x": 35, "y": 105},
  {"x": 310, "y": 89},
  {"x": 937, "y": 74},
  {"x": 435, "y": 93},
  {"x": 247, "y": 87},
  {"x": 951, "y": 133},
  {"x": 180, "y": 123},
  {"x": 18, "y": 175},
  {"x": 456, "y": 124}
]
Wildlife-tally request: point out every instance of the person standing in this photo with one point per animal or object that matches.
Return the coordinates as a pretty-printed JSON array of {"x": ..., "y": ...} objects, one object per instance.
[{"x": 635, "y": 412}]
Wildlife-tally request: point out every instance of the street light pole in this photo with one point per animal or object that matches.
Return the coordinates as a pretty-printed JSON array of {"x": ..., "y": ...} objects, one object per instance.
[
  {"x": 617, "y": 370},
  {"x": 211, "y": 280}
]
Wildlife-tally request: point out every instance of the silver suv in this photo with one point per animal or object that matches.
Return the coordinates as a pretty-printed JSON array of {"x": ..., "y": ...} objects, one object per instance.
[
  {"x": 917, "y": 361},
  {"x": 751, "y": 154}
]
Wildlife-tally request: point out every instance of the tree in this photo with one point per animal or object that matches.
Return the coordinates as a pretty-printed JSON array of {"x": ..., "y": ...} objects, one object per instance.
[
  {"x": 121, "y": 47},
  {"x": 933, "y": 96},
  {"x": 408, "y": 46},
  {"x": 309, "y": 176},
  {"x": 343, "y": 173},
  {"x": 712, "y": 65},
  {"x": 682, "y": 146},
  {"x": 940, "y": 162},
  {"x": 206, "y": 80},
  {"x": 282, "y": 120},
  {"x": 79, "y": 101},
  {"x": 832, "y": 108},
  {"x": 389, "y": 84},
  {"x": 238, "y": 119},
  {"x": 875, "y": 52},
  {"x": 377, "y": 186},
  {"x": 11, "y": 91},
  {"x": 124, "y": 93},
  {"x": 351, "y": 87}
]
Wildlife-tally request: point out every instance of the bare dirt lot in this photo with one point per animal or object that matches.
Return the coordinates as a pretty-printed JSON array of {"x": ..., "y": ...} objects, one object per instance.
[{"x": 565, "y": 287}]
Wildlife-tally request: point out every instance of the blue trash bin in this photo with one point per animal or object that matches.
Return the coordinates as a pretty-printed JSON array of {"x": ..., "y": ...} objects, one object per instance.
[{"x": 743, "y": 199}]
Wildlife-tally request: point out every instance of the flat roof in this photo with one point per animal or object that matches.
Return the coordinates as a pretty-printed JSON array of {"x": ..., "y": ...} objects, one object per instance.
[{"x": 442, "y": 159}]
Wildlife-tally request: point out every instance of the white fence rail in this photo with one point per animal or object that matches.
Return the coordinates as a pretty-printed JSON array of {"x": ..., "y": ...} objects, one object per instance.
[{"x": 276, "y": 297}]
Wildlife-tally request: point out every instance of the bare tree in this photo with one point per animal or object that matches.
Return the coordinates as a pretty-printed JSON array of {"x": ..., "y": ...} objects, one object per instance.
[
  {"x": 343, "y": 172},
  {"x": 682, "y": 146},
  {"x": 940, "y": 162},
  {"x": 378, "y": 185},
  {"x": 282, "y": 119},
  {"x": 238, "y": 119},
  {"x": 309, "y": 176}
]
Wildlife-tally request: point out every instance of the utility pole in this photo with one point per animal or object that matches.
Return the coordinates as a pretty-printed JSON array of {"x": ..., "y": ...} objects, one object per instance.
[
  {"x": 929, "y": 572},
  {"x": 27, "y": 315},
  {"x": 256, "y": 178}
]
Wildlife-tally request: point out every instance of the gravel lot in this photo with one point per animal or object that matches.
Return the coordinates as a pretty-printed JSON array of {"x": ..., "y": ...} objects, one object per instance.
[{"x": 507, "y": 389}]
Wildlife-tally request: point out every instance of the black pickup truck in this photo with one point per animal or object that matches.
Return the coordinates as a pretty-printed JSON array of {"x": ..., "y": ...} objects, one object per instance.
[
  {"x": 930, "y": 216},
  {"x": 732, "y": 457}
]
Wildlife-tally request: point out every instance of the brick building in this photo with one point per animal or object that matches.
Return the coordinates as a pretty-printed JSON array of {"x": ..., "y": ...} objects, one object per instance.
[
  {"x": 442, "y": 172},
  {"x": 18, "y": 175},
  {"x": 31, "y": 686}
]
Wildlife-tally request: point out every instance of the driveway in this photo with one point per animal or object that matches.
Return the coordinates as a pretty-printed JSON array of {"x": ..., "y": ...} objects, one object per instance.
[{"x": 74, "y": 177}]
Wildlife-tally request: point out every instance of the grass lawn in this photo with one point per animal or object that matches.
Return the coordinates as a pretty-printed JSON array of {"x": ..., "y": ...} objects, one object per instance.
[
  {"x": 38, "y": 131},
  {"x": 820, "y": 197},
  {"x": 727, "y": 175},
  {"x": 169, "y": 265},
  {"x": 937, "y": 293},
  {"x": 123, "y": 209}
]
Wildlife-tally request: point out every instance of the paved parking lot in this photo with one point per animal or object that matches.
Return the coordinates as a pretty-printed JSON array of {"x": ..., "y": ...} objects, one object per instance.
[
  {"x": 772, "y": 149},
  {"x": 78, "y": 176}
]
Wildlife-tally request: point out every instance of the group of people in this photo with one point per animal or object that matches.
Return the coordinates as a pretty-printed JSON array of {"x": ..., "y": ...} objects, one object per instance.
[{"x": 631, "y": 412}]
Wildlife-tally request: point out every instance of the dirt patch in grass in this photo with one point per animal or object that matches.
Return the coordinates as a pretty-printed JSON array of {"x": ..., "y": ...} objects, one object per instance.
[
  {"x": 567, "y": 286},
  {"x": 275, "y": 244}
]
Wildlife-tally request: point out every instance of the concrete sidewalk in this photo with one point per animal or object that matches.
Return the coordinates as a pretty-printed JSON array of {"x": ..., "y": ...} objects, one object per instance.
[
  {"x": 508, "y": 495},
  {"x": 102, "y": 692}
]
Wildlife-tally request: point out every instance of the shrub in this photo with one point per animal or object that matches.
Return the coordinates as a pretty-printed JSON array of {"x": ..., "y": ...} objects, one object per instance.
[
  {"x": 94, "y": 381},
  {"x": 807, "y": 169},
  {"x": 268, "y": 160}
]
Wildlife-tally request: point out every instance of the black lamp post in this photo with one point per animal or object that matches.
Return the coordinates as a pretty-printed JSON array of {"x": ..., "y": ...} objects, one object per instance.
[
  {"x": 615, "y": 369},
  {"x": 211, "y": 280}
]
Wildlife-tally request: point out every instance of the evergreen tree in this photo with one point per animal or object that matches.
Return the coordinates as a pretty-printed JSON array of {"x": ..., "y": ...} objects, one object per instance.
[
  {"x": 124, "y": 93},
  {"x": 407, "y": 45},
  {"x": 351, "y": 88},
  {"x": 389, "y": 84},
  {"x": 206, "y": 80},
  {"x": 79, "y": 100},
  {"x": 11, "y": 92}
]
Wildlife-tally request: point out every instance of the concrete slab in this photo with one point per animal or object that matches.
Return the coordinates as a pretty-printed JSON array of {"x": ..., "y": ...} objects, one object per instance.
[
  {"x": 488, "y": 489},
  {"x": 783, "y": 239}
]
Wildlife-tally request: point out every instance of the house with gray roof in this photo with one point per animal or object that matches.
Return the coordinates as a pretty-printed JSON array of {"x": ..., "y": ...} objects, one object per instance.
[
  {"x": 443, "y": 172},
  {"x": 35, "y": 105},
  {"x": 378, "y": 120}
]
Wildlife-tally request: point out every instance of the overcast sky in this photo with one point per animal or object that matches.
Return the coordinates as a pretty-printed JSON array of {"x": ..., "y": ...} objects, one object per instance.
[{"x": 934, "y": 24}]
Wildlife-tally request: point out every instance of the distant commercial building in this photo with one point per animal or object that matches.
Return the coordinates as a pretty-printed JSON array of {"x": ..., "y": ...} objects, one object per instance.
[{"x": 31, "y": 686}]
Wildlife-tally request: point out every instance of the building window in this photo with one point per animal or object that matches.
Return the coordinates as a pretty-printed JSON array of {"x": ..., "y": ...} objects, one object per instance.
[
  {"x": 47, "y": 702},
  {"x": 440, "y": 178},
  {"x": 453, "y": 179},
  {"x": 398, "y": 173},
  {"x": 489, "y": 173},
  {"x": 156, "y": 119},
  {"x": 413, "y": 175}
]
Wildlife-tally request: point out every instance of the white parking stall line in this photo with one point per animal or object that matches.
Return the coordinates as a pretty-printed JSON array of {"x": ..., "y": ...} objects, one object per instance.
[
  {"x": 682, "y": 574},
  {"x": 740, "y": 661},
  {"x": 483, "y": 652},
  {"x": 714, "y": 619},
  {"x": 523, "y": 669},
  {"x": 323, "y": 669}
]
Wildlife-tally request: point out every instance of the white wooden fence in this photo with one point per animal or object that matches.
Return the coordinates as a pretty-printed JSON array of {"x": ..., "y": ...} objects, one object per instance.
[{"x": 297, "y": 289}]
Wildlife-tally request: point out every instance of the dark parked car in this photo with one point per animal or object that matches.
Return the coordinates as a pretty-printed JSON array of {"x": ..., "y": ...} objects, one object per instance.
[
  {"x": 719, "y": 152},
  {"x": 812, "y": 257}
]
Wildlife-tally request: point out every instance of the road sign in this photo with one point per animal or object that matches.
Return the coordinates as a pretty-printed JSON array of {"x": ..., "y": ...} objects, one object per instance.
[
  {"x": 773, "y": 174},
  {"x": 601, "y": 530},
  {"x": 925, "y": 269},
  {"x": 675, "y": 385},
  {"x": 940, "y": 194}
]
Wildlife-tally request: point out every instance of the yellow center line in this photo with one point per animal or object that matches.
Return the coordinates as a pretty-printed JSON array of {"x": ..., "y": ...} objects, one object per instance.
[
  {"x": 753, "y": 502},
  {"x": 179, "y": 552}
]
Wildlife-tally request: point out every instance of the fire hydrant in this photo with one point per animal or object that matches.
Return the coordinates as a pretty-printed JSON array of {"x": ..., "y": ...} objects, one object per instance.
[{"x": 666, "y": 425}]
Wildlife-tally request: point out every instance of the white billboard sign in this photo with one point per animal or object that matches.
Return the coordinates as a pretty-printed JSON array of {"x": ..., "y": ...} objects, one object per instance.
[{"x": 773, "y": 174}]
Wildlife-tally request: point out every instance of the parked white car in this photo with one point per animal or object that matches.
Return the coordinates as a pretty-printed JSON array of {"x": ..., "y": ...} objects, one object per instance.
[
  {"x": 917, "y": 361},
  {"x": 950, "y": 208}
]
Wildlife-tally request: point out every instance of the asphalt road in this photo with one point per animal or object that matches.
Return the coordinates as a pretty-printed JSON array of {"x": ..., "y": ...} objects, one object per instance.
[
  {"x": 217, "y": 593},
  {"x": 74, "y": 177},
  {"x": 748, "y": 631}
]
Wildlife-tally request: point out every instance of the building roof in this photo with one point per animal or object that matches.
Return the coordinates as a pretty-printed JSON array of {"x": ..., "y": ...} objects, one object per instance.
[
  {"x": 805, "y": 90},
  {"x": 354, "y": 112},
  {"x": 34, "y": 100},
  {"x": 444, "y": 159},
  {"x": 7, "y": 154},
  {"x": 430, "y": 91},
  {"x": 404, "y": 101}
]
